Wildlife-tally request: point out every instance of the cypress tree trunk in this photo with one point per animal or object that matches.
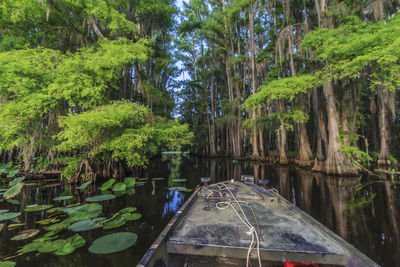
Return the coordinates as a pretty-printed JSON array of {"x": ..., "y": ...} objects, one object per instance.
[
  {"x": 336, "y": 162},
  {"x": 384, "y": 151}
]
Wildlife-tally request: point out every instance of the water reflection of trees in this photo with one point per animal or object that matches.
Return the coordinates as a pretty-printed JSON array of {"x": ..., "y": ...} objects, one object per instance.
[{"x": 371, "y": 224}]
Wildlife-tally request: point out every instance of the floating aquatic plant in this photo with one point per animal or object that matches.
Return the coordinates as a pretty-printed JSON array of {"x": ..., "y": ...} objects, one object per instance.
[
  {"x": 130, "y": 182},
  {"x": 7, "y": 264},
  {"x": 38, "y": 208},
  {"x": 71, "y": 243},
  {"x": 179, "y": 180},
  {"x": 13, "y": 191},
  {"x": 16, "y": 180},
  {"x": 25, "y": 234},
  {"x": 113, "y": 243},
  {"x": 87, "y": 225},
  {"x": 62, "y": 198},
  {"x": 84, "y": 212},
  {"x": 119, "y": 187},
  {"x": 100, "y": 198},
  {"x": 84, "y": 185},
  {"x": 9, "y": 215},
  {"x": 14, "y": 226},
  {"x": 107, "y": 184}
]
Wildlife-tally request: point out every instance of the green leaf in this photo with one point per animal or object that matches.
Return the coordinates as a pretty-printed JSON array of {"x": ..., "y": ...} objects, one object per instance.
[
  {"x": 84, "y": 185},
  {"x": 130, "y": 182},
  {"x": 72, "y": 243},
  {"x": 87, "y": 225},
  {"x": 38, "y": 208},
  {"x": 7, "y": 263},
  {"x": 119, "y": 187},
  {"x": 25, "y": 234},
  {"x": 113, "y": 243},
  {"x": 131, "y": 216},
  {"x": 100, "y": 198},
  {"x": 107, "y": 184},
  {"x": 117, "y": 221},
  {"x": 9, "y": 215},
  {"x": 16, "y": 180},
  {"x": 84, "y": 212},
  {"x": 179, "y": 180},
  {"x": 12, "y": 173},
  {"x": 52, "y": 246},
  {"x": 13, "y": 191},
  {"x": 62, "y": 198}
]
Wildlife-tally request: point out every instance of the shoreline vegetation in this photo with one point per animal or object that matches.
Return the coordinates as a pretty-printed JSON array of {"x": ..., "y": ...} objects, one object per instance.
[{"x": 100, "y": 87}]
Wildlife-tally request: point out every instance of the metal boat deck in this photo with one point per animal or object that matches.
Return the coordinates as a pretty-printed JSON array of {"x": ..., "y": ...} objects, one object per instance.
[{"x": 286, "y": 234}]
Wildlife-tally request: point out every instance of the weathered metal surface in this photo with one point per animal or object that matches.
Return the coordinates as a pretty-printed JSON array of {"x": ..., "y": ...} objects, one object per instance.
[{"x": 284, "y": 233}]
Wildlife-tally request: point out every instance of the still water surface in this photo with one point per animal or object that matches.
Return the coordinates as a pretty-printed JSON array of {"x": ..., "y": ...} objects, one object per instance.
[{"x": 365, "y": 213}]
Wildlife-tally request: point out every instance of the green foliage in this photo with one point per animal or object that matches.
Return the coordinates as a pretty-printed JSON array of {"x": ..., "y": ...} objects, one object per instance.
[
  {"x": 286, "y": 88},
  {"x": 356, "y": 46},
  {"x": 122, "y": 130}
]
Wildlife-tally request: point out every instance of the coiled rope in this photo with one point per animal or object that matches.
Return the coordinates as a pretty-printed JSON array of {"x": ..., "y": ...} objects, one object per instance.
[{"x": 223, "y": 205}]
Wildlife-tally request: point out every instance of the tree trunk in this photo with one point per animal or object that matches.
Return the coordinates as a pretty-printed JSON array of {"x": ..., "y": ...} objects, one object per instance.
[
  {"x": 256, "y": 154},
  {"x": 384, "y": 151},
  {"x": 336, "y": 162}
]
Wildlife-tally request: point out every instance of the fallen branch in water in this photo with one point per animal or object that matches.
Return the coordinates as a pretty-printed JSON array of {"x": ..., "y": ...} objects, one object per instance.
[{"x": 386, "y": 171}]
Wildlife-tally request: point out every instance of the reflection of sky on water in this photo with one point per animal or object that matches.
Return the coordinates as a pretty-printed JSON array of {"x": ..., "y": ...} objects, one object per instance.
[{"x": 174, "y": 204}]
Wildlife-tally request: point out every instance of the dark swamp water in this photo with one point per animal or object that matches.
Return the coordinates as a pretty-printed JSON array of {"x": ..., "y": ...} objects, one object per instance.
[{"x": 365, "y": 213}]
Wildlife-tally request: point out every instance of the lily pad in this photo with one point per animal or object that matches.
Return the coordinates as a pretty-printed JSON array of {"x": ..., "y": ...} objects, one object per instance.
[
  {"x": 127, "y": 210},
  {"x": 3, "y": 190},
  {"x": 86, "y": 225},
  {"x": 72, "y": 243},
  {"x": 179, "y": 180},
  {"x": 4, "y": 211},
  {"x": 130, "y": 182},
  {"x": 157, "y": 179},
  {"x": 107, "y": 184},
  {"x": 12, "y": 173},
  {"x": 113, "y": 243},
  {"x": 142, "y": 179},
  {"x": 52, "y": 246},
  {"x": 140, "y": 183},
  {"x": 25, "y": 234},
  {"x": 9, "y": 215},
  {"x": 117, "y": 221},
  {"x": 38, "y": 208},
  {"x": 13, "y": 191},
  {"x": 13, "y": 201},
  {"x": 62, "y": 198},
  {"x": 130, "y": 191},
  {"x": 52, "y": 210},
  {"x": 48, "y": 221},
  {"x": 100, "y": 198},
  {"x": 119, "y": 187},
  {"x": 14, "y": 226},
  {"x": 131, "y": 216},
  {"x": 7, "y": 263},
  {"x": 84, "y": 185},
  {"x": 16, "y": 180},
  {"x": 84, "y": 212},
  {"x": 59, "y": 227}
]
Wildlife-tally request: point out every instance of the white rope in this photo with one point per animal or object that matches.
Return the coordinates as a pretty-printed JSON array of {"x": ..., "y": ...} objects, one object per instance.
[{"x": 223, "y": 205}]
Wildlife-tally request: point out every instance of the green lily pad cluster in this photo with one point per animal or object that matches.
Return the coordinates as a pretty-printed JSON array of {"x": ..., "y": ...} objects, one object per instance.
[
  {"x": 50, "y": 244},
  {"x": 76, "y": 218}
]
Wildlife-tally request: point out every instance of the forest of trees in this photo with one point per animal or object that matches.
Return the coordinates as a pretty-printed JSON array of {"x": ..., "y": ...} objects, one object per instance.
[
  {"x": 84, "y": 83},
  {"x": 90, "y": 84},
  {"x": 315, "y": 83}
]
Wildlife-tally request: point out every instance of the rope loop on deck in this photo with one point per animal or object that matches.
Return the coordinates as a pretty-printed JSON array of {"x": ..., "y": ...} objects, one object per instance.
[{"x": 224, "y": 205}]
